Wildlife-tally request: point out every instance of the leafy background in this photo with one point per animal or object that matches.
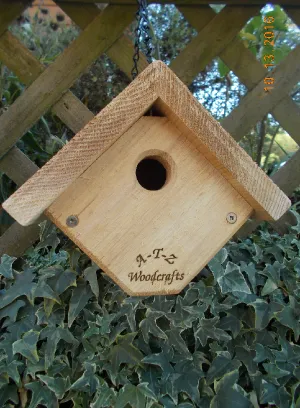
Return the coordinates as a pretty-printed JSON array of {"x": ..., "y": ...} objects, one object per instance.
[{"x": 70, "y": 337}]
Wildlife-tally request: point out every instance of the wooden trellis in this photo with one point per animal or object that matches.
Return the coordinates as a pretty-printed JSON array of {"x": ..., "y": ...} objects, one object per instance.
[{"x": 103, "y": 31}]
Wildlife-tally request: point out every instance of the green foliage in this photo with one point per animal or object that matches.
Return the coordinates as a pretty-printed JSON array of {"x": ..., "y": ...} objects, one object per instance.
[{"x": 71, "y": 336}]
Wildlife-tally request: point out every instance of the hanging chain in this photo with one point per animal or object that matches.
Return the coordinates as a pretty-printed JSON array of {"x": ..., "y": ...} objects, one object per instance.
[{"x": 142, "y": 32}]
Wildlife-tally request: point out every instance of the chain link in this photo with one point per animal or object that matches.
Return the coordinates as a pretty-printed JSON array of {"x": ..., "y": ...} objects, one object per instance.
[{"x": 142, "y": 32}]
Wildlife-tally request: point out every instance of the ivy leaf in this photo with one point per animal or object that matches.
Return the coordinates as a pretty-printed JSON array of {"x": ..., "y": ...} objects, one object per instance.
[
  {"x": 40, "y": 395},
  {"x": 175, "y": 340},
  {"x": 289, "y": 353},
  {"x": 27, "y": 346},
  {"x": 80, "y": 297},
  {"x": 11, "y": 311},
  {"x": 220, "y": 257},
  {"x": 12, "y": 370},
  {"x": 136, "y": 396},
  {"x": 4, "y": 380},
  {"x": 221, "y": 365},
  {"x": 48, "y": 236},
  {"x": 264, "y": 312},
  {"x": 270, "y": 394},
  {"x": 207, "y": 330},
  {"x": 149, "y": 325},
  {"x": 43, "y": 290},
  {"x": 56, "y": 317},
  {"x": 88, "y": 381},
  {"x": 90, "y": 275},
  {"x": 277, "y": 251},
  {"x": 54, "y": 335},
  {"x": 246, "y": 356},
  {"x": 186, "y": 377},
  {"x": 9, "y": 393},
  {"x": 105, "y": 396},
  {"x": 23, "y": 286},
  {"x": 61, "y": 279},
  {"x": 215, "y": 264},
  {"x": 124, "y": 352},
  {"x": 231, "y": 280},
  {"x": 273, "y": 274},
  {"x": 104, "y": 322},
  {"x": 274, "y": 372},
  {"x": 289, "y": 317},
  {"x": 6, "y": 269},
  {"x": 151, "y": 376},
  {"x": 231, "y": 323},
  {"x": 161, "y": 304},
  {"x": 297, "y": 373},
  {"x": 250, "y": 270},
  {"x": 163, "y": 361},
  {"x": 58, "y": 385},
  {"x": 263, "y": 353},
  {"x": 226, "y": 395},
  {"x": 184, "y": 315}
]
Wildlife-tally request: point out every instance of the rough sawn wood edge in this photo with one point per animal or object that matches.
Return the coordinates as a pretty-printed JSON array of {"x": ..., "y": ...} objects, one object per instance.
[{"x": 156, "y": 83}]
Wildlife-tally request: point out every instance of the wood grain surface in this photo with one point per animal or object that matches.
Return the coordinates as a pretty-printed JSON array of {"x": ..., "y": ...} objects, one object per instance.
[
  {"x": 158, "y": 84},
  {"x": 178, "y": 228}
]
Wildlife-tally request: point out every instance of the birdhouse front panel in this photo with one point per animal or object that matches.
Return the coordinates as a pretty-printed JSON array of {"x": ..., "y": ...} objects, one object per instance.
[
  {"x": 150, "y": 199},
  {"x": 152, "y": 210}
]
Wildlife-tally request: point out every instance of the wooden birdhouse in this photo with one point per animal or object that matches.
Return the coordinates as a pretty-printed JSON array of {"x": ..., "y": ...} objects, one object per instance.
[{"x": 151, "y": 199}]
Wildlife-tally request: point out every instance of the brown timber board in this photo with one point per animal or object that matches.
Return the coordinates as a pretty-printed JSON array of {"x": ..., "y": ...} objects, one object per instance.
[
  {"x": 55, "y": 80},
  {"x": 211, "y": 40},
  {"x": 118, "y": 219},
  {"x": 157, "y": 83}
]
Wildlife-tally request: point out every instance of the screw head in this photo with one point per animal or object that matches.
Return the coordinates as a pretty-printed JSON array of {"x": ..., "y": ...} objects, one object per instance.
[
  {"x": 231, "y": 218},
  {"x": 72, "y": 221}
]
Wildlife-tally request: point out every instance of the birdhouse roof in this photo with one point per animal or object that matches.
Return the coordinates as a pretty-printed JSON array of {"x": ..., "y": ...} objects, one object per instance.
[{"x": 159, "y": 87}]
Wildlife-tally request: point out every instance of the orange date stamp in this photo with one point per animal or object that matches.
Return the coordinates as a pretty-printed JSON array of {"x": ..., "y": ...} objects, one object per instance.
[{"x": 269, "y": 58}]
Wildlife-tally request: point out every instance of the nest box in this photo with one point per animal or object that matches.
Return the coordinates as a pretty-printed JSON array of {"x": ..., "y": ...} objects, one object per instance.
[{"x": 151, "y": 199}]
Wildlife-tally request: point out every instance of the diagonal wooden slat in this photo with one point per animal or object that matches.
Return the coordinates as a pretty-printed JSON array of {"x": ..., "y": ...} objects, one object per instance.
[
  {"x": 212, "y": 39},
  {"x": 17, "y": 239},
  {"x": 68, "y": 108},
  {"x": 56, "y": 79},
  {"x": 120, "y": 52},
  {"x": 287, "y": 178},
  {"x": 21, "y": 170},
  {"x": 257, "y": 103},
  {"x": 80, "y": 14},
  {"x": 250, "y": 71},
  {"x": 9, "y": 11},
  {"x": 19, "y": 60},
  {"x": 287, "y": 113}
]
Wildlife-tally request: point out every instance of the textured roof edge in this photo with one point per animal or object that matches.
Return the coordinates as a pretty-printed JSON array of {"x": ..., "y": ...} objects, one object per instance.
[{"x": 156, "y": 83}]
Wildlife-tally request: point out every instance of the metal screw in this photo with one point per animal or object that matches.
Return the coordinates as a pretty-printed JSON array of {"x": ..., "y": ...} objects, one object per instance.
[
  {"x": 231, "y": 218},
  {"x": 72, "y": 221}
]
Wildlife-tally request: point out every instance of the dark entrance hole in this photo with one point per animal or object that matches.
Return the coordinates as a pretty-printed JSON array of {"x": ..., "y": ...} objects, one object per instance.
[{"x": 151, "y": 174}]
